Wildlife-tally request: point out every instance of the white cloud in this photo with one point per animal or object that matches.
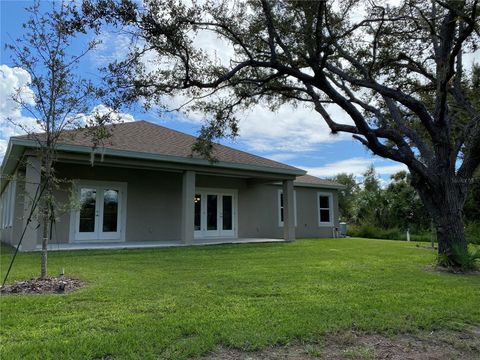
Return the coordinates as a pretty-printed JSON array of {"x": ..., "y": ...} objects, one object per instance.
[
  {"x": 282, "y": 134},
  {"x": 102, "y": 111},
  {"x": 357, "y": 166},
  {"x": 282, "y": 157},
  {"x": 14, "y": 83},
  {"x": 288, "y": 130},
  {"x": 3, "y": 147},
  {"x": 112, "y": 46},
  {"x": 214, "y": 46},
  {"x": 391, "y": 169}
]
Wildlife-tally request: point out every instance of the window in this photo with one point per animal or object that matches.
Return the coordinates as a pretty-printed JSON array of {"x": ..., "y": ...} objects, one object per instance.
[
  {"x": 280, "y": 207},
  {"x": 325, "y": 208},
  {"x": 7, "y": 205}
]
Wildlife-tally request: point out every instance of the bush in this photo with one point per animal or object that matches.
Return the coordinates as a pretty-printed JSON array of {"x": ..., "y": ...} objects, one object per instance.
[
  {"x": 472, "y": 232},
  {"x": 368, "y": 230},
  {"x": 463, "y": 259}
]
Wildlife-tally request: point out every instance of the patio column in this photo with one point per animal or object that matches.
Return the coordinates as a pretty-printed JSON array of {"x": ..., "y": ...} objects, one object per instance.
[
  {"x": 288, "y": 211},
  {"x": 188, "y": 207},
  {"x": 32, "y": 183}
]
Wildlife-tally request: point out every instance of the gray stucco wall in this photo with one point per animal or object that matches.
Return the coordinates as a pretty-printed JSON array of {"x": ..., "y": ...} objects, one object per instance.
[
  {"x": 258, "y": 212},
  {"x": 154, "y": 204},
  {"x": 307, "y": 213},
  {"x": 153, "y": 200}
]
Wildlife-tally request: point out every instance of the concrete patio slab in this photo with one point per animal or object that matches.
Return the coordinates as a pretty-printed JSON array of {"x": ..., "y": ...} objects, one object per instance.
[{"x": 153, "y": 244}]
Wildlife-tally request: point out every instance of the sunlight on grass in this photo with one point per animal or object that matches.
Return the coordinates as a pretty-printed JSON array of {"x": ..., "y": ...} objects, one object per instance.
[{"x": 182, "y": 302}]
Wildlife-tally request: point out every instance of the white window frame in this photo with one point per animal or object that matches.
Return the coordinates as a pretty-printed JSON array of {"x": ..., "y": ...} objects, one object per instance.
[
  {"x": 330, "y": 208},
  {"x": 279, "y": 202}
]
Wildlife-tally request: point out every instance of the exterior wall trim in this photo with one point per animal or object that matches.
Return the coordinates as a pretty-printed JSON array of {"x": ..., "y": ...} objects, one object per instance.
[{"x": 318, "y": 186}]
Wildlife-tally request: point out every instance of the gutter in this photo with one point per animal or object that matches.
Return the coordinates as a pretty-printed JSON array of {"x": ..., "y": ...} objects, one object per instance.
[{"x": 323, "y": 186}]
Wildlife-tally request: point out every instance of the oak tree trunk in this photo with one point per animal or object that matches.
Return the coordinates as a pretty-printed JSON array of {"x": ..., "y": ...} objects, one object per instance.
[{"x": 444, "y": 201}]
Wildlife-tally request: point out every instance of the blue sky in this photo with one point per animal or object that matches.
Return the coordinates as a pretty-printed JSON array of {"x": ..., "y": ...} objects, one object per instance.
[{"x": 297, "y": 136}]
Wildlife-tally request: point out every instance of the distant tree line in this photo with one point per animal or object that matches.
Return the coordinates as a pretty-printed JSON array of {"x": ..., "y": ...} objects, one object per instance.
[{"x": 377, "y": 211}]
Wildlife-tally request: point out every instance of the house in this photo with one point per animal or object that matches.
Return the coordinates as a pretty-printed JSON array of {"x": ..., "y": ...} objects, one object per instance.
[{"x": 146, "y": 187}]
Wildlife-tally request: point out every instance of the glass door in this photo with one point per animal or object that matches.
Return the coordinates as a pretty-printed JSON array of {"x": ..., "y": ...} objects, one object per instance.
[
  {"x": 212, "y": 228},
  {"x": 87, "y": 221},
  {"x": 110, "y": 214},
  {"x": 214, "y": 214},
  {"x": 98, "y": 216},
  {"x": 226, "y": 215}
]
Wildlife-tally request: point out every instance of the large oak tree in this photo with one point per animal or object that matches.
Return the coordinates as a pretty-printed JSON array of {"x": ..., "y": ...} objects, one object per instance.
[{"x": 398, "y": 71}]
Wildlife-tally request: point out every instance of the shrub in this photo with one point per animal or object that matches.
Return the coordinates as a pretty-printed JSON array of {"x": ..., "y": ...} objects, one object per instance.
[
  {"x": 472, "y": 232},
  {"x": 464, "y": 259},
  {"x": 368, "y": 230}
]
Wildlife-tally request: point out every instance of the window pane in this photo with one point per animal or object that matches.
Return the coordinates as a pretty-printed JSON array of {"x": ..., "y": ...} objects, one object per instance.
[
  {"x": 212, "y": 212},
  {"x": 87, "y": 210},
  {"x": 324, "y": 203},
  {"x": 324, "y": 215},
  {"x": 110, "y": 210},
  {"x": 227, "y": 212},
  {"x": 198, "y": 208}
]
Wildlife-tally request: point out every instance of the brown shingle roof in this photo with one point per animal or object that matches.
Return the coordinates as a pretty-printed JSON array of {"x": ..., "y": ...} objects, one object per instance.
[
  {"x": 312, "y": 180},
  {"x": 149, "y": 138}
]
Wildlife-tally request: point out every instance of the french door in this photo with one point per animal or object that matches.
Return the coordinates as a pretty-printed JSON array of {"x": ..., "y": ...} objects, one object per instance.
[
  {"x": 215, "y": 213},
  {"x": 100, "y": 214}
]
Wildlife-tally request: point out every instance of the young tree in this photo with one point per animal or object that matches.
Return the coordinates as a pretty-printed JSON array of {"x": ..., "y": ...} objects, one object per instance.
[
  {"x": 398, "y": 72},
  {"x": 61, "y": 96}
]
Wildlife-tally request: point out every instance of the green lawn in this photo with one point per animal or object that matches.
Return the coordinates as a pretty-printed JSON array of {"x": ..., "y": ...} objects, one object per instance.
[{"x": 182, "y": 302}]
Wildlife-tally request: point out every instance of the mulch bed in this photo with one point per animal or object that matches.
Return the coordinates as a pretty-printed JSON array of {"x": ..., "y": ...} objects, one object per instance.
[
  {"x": 51, "y": 285},
  {"x": 441, "y": 269}
]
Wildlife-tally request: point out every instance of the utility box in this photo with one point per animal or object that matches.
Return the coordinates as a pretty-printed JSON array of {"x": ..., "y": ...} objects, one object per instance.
[{"x": 343, "y": 229}]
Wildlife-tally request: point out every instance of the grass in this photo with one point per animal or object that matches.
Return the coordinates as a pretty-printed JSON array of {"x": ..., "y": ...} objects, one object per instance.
[{"x": 176, "y": 303}]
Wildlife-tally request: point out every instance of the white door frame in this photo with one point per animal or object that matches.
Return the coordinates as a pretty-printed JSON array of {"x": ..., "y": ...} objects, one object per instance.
[
  {"x": 98, "y": 235},
  {"x": 203, "y": 232}
]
